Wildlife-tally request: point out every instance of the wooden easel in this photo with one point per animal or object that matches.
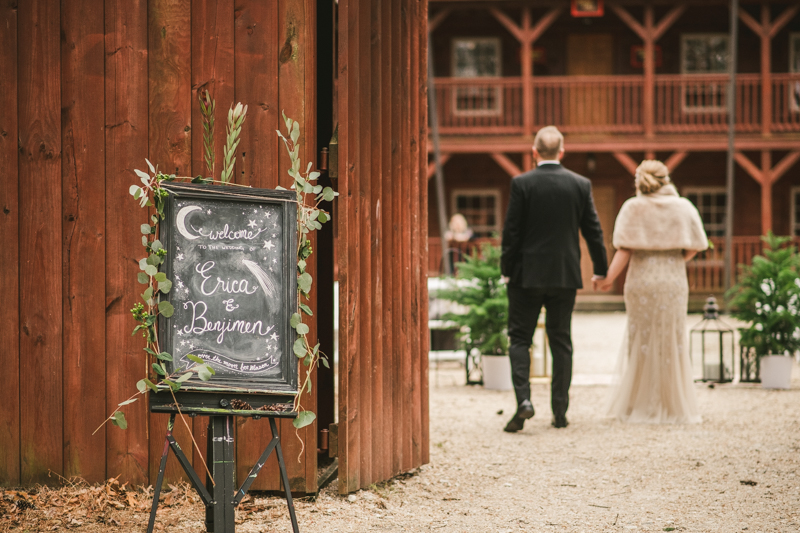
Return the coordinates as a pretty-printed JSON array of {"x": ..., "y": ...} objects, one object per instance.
[{"x": 221, "y": 498}]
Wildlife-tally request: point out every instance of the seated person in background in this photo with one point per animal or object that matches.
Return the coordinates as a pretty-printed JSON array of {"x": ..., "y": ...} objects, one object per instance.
[{"x": 458, "y": 229}]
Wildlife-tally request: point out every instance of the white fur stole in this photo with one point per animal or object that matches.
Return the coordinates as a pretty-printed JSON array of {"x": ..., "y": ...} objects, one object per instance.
[{"x": 662, "y": 220}]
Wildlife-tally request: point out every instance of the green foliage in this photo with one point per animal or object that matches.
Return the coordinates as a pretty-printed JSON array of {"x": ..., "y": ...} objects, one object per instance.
[
  {"x": 768, "y": 297},
  {"x": 478, "y": 287},
  {"x": 310, "y": 217},
  {"x": 236, "y": 116},
  {"x": 207, "y": 108}
]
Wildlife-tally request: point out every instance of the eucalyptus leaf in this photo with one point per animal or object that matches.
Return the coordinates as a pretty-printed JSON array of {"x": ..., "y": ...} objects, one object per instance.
[
  {"x": 328, "y": 194},
  {"x": 166, "y": 309},
  {"x": 323, "y": 217},
  {"x": 141, "y": 385},
  {"x": 306, "y": 309},
  {"x": 165, "y": 286},
  {"x": 156, "y": 245},
  {"x": 203, "y": 373},
  {"x": 154, "y": 260},
  {"x": 127, "y": 402},
  {"x": 296, "y": 319},
  {"x": 146, "y": 229},
  {"x": 133, "y": 190},
  {"x": 299, "y": 348},
  {"x": 184, "y": 377},
  {"x": 302, "y": 329},
  {"x": 150, "y": 385},
  {"x": 119, "y": 420},
  {"x": 143, "y": 264},
  {"x": 147, "y": 294},
  {"x": 304, "y": 282},
  {"x": 150, "y": 165},
  {"x": 195, "y": 359},
  {"x": 161, "y": 276},
  {"x": 159, "y": 369},
  {"x": 143, "y": 278},
  {"x": 304, "y": 418},
  {"x": 142, "y": 175},
  {"x": 324, "y": 362},
  {"x": 150, "y": 270},
  {"x": 164, "y": 356}
]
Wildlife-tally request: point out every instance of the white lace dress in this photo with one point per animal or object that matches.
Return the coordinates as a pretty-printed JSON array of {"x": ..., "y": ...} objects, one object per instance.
[{"x": 654, "y": 374}]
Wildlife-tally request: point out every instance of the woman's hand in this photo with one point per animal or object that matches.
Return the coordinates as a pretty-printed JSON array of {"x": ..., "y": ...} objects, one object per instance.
[
  {"x": 688, "y": 255},
  {"x": 604, "y": 284}
]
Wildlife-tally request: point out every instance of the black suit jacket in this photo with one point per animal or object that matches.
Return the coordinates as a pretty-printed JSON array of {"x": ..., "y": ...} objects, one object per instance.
[{"x": 541, "y": 247}]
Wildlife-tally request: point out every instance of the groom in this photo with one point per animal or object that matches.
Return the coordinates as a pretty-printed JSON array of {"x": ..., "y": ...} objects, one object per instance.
[{"x": 542, "y": 261}]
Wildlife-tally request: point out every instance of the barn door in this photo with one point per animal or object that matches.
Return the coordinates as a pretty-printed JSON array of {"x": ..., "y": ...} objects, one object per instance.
[{"x": 382, "y": 240}]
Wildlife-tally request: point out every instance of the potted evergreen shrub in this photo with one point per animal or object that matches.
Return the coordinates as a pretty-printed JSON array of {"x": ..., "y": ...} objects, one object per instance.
[
  {"x": 768, "y": 297},
  {"x": 477, "y": 287}
]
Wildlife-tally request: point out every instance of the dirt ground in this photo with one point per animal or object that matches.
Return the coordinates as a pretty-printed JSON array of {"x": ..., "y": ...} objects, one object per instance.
[{"x": 736, "y": 471}]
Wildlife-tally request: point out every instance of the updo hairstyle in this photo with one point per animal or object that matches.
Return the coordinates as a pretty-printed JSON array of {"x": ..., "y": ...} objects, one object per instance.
[{"x": 651, "y": 175}]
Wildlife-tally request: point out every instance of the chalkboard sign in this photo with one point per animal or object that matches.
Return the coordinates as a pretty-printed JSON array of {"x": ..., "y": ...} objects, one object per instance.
[{"x": 232, "y": 260}]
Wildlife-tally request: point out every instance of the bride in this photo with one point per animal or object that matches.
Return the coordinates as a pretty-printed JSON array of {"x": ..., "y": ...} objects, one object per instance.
[{"x": 655, "y": 233}]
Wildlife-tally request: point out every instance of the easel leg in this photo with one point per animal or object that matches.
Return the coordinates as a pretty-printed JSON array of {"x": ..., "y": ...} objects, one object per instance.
[
  {"x": 284, "y": 477},
  {"x": 221, "y": 514},
  {"x": 157, "y": 488}
]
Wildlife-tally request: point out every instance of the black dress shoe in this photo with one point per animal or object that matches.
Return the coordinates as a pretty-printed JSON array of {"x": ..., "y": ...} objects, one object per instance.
[
  {"x": 525, "y": 410},
  {"x": 559, "y": 421},
  {"x": 514, "y": 425}
]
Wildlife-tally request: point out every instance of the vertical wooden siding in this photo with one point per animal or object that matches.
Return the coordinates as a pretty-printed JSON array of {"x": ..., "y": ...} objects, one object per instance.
[
  {"x": 90, "y": 88},
  {"x": 382, "y": 265}
]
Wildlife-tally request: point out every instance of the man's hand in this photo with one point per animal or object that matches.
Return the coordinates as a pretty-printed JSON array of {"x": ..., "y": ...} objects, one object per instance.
[{"x": 601, "y": 283}]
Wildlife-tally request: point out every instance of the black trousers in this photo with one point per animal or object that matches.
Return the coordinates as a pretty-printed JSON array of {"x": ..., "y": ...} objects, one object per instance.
[{"x": 524, "y": 306}]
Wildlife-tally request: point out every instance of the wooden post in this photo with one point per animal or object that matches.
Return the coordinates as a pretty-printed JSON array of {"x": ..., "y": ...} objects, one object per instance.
[
  {"x": 648, "y": 98},
  {"x": 526, "y": 34},
  {"x": 766, "y": 76},
  {"x": 767, "y": 31},
  {"x": 766, "y": 192},
  {"x": 527, "y": 74}
]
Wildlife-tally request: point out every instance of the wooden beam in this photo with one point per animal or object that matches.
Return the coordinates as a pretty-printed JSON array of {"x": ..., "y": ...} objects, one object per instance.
[
  {"x": 626, "y": 161},
  {"x": 675, "y": 159},
  {"x": 509, "y": 24},
  {"x": 781, "y": 21},
  {"x": 432, "y": 165},
  {"x": 631, "y": 22},
  {"x": 438, "y": 18},
  {"x": 785, "y": 164},
  {"x": 506, "y": 164},
  {"x": 749, "y": 21},
  {"x": 749, "y": 167},
  {"x": 544, "y": 23},
  {"x": 668, "y": 20}
]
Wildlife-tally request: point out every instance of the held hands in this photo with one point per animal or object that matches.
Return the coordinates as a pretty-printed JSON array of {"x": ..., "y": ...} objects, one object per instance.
[{"x": 602, "y": 283}]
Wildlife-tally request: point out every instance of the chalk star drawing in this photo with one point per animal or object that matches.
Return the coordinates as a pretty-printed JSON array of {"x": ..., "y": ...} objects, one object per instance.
[
  {"x": 180, "y": 257},
  {"x": 252, "y": 224},
  {"x": 183, "y": 343},
  {"x": 273, "y": 337},
  {"x": 268, "y": 214},
  {"x": 274, "y": 260},
  {"x": 209, "y": 211},
  {"x": 186, "y": 290},
  {"x": 180, "y": 284},
  {"x": 268, "y": 245}
]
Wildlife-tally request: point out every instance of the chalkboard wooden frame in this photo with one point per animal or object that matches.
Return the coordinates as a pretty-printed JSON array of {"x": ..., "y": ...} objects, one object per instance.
[{"x": 281, "y": 385}]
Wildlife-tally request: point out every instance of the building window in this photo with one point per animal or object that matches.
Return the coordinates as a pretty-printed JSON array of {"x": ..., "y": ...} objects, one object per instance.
[
  {"x": 794, "y": 223},
  {"x": 704, "y": 54},
  {"x": 794, "y": 68},
  {"x": 481, "y": 208},
  {"x": 477, "y": 58},
  {"x": 712, "y": 204}
]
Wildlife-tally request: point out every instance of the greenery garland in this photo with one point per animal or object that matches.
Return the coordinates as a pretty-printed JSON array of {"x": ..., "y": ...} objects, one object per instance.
[{"x": 151, "y": 194}]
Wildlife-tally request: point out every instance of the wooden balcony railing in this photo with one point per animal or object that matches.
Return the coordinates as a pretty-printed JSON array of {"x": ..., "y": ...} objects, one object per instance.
[
  {"x": 614, "y": 104},
  {"x": 705, "y": 272}
]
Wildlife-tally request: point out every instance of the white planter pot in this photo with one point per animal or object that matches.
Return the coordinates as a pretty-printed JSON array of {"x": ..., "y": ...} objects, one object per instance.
[
  {"x": 496, "y": 372},
  {"x": 776, "y": 372}
]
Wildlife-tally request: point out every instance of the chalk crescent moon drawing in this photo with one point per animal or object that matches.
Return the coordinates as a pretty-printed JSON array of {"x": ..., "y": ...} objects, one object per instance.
[
  {"x": 263, "y": 279},
  {"x": 180, "y": 221}
]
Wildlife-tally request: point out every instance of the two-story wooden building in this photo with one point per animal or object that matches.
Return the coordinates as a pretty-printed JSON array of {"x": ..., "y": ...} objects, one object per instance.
[{"x": 623, "y": 80}]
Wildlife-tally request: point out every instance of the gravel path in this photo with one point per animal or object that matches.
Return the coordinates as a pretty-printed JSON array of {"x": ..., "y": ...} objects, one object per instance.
[{"x": 737, "y": 471}]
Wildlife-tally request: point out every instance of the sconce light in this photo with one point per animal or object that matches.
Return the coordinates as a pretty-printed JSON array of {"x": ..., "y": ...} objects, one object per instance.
[{"x": 591, "y": 162}]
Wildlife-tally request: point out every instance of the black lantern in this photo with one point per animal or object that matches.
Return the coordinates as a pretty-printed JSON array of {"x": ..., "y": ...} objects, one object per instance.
[{"x": 714, "y": 369}]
